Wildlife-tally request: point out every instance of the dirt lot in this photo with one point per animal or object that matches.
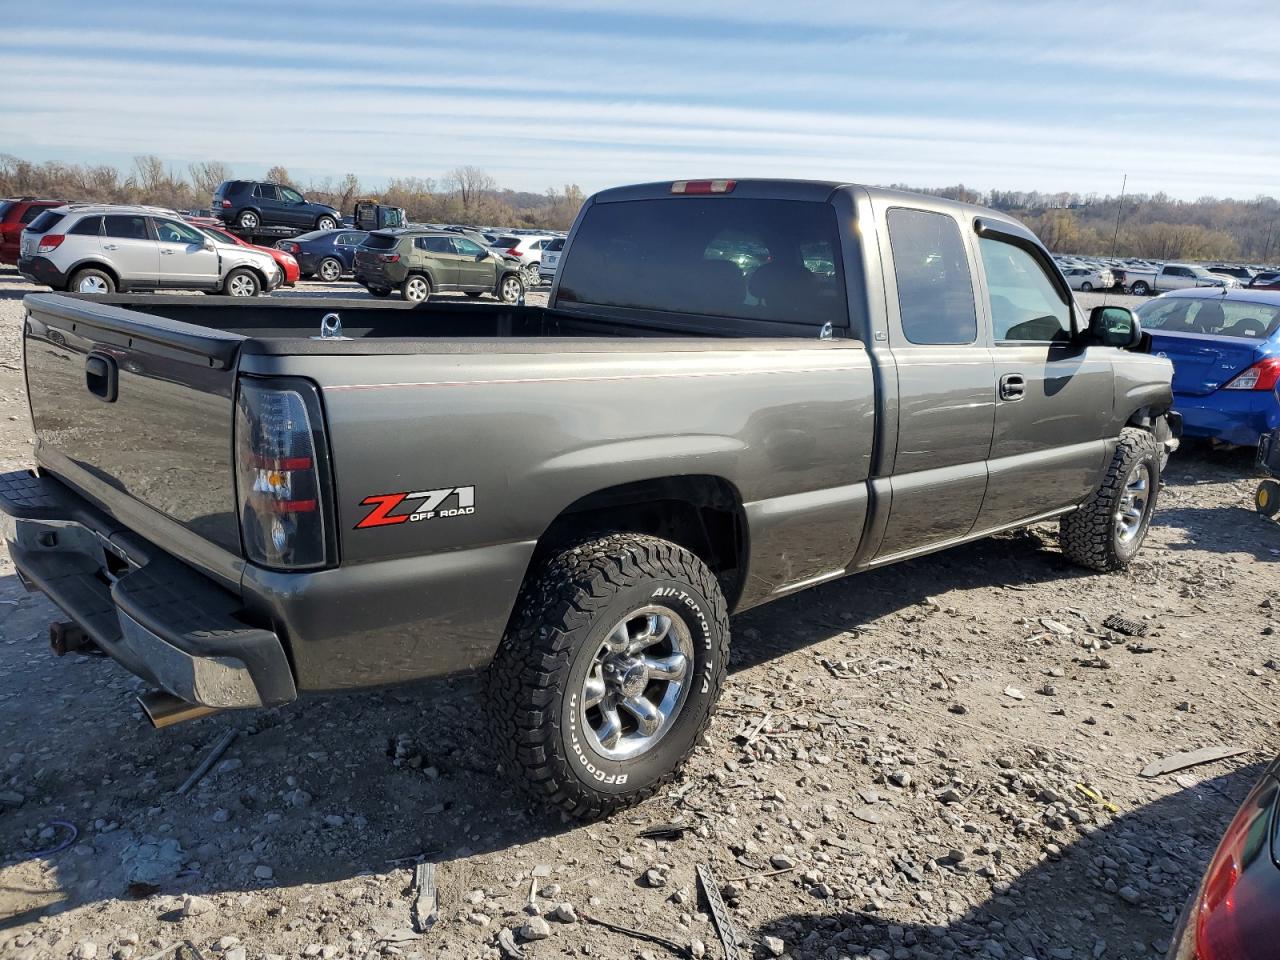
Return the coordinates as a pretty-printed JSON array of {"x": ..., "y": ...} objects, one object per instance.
[{"x": 936, "y": 760}]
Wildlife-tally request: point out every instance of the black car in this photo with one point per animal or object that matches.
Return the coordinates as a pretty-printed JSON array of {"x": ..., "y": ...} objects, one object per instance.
[
  {"x": 326, "y": 254},
  {"x": 251, "y": 204}
]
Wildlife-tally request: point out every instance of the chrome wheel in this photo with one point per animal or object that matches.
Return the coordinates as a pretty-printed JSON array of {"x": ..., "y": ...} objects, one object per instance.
[
  {"x": 249, "y": 220},
  {"x": 1131, "y": 511},
  {"x": 637, "y": 682},
  {"x": 92, "y": 284},
  {"x": 511, "y": 290},
  {"x": 325, "y": 223},
  {"x": 330, "y": 270},
  {"x": 416, "y": 289},
  {"x": 241, "y": 286}
]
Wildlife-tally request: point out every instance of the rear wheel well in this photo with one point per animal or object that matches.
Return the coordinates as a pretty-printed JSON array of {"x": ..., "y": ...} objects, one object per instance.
[
  {"x": 703, "y": 514},
  {"x": 93, "y": 265}
]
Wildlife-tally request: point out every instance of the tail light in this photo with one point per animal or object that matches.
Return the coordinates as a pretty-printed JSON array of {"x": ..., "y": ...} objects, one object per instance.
[
  {"x": 1233, "y": 914},
  {"x": 50, "y": 242},
  {"x": 1263, "y": 375},
  {"x": 513, "y": 252},
  {"x": 226, "y": 204},
  {"x": 282, "y": 475},
  {"x": 694, "y": 187},
  {"x": 390, "y": 258},
  {"x": 288, "y": 247}
]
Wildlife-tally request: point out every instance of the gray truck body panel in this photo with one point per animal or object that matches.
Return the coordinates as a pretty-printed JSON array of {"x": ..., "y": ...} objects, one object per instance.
[{"x": 838, "y": 454}]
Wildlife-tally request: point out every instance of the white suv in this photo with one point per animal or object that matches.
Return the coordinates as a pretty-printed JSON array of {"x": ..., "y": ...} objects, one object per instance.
[
  {"x": 104, "y": 248},
  {"x": 527, "y": 248}
]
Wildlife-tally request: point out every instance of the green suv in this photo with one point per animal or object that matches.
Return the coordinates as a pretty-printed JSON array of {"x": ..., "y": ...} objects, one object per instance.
[{"x": 418, "y": 263}]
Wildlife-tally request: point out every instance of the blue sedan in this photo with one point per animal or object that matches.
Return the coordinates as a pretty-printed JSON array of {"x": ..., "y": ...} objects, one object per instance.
[
  {"x": 1225, "y": 348},
  {"x": 326, "y": 254}
]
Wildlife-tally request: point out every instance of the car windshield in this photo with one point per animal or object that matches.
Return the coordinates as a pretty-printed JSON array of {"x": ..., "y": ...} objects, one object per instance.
[
  {"x": 771, "y": 260},
  {"x": 1219, "y": 318},
  {"x": 380, "y": 241}
]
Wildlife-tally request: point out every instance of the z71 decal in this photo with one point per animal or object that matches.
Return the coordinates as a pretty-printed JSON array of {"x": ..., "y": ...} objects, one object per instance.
[{"x": 422, "y": 505}]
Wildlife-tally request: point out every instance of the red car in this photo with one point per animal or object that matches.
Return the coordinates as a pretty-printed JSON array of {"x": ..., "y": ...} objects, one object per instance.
[
  {"x": 287, "y": 263},
  {"x": 14, "y": 216}
]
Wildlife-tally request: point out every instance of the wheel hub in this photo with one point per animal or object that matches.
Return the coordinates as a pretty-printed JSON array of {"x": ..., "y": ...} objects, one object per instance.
[{"x": 626, "y": 675}]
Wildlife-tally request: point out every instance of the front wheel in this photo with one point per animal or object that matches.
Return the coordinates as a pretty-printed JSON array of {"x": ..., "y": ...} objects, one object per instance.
[
  {"x": 326, "y": 223},
  {"x": 511, "y": 289},
  {"x": 1086, "y": 287},
  {"x": 330, "y": 269},
  {"x": 1108, "y": 529},
  {"x": 241, "y": 283},
  {"x": 1139, "y": 289},
  {"x": 609, "y": 672}
]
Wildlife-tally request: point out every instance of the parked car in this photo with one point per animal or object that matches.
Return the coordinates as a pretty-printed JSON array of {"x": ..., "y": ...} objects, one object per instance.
[
  {"x": 575, "y": 497},
  {"x": 527, "y": 248},
  {"x": 284, "y": 260},
  {"x": 1172, "y": 276},
  {"x": 367, "y": 215},
  {"x": 1265, "y": 279},
  {"x": 104, "y": 248},
  {"x": 1242, "y": 275},
  {"x": 14, "y": 217},
  {"x": 1088, "y": 278},
  {"x": 252, "y": 204},
  {"x": 1225, "y": 348},
  {"x": 550, "y": 259},
  {"x": 419, "y": 263},
  {"x": 1232, "y": 914},
  {"x": 326, "y": 254}
]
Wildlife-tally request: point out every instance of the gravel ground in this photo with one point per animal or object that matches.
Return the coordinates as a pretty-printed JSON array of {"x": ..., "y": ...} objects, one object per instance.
[{"x": 937, "y": 760}]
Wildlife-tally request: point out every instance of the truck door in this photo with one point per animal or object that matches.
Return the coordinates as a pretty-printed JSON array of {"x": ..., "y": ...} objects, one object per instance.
[
  {"x": 1053, "y": 394},
  {"x": 946, "y": 405}
]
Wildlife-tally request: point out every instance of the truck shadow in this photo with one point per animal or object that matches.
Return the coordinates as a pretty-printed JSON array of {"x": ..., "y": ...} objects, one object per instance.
[{"x": 1067, "y": 906}]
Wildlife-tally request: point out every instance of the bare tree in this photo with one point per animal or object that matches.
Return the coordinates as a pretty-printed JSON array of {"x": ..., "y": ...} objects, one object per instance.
[
  {"x": 278, "y": 174},
  {"x": 469, "y": 184},
  {"x": 206, "y": 176}
]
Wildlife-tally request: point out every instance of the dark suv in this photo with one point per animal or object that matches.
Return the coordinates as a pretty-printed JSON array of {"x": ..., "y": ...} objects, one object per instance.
[
  {"x": 14, "y": 217},
  {"x": 418, "y": 263},
  {"x": 251, "y": 204}
]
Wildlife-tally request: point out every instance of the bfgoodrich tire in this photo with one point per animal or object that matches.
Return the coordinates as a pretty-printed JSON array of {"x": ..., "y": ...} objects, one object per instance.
[
  {"x": 1110, "y": 527},
  {"x": 608, "y": 674}
]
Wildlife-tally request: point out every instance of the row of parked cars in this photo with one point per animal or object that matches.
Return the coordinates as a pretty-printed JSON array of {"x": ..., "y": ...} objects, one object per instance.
[{"x": 1143, "y": 277}]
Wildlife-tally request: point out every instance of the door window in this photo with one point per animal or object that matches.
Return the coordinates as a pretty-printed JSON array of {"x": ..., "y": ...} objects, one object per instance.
[
  {"x": 290, "y": 196},
  {"x": 125, "y": 227},
  {"x": 170, "y": 231},
  {"x": 467, "y": 248},
  {"x": 350, "y": 239},
  {"x": 266, "y": 191},
  {"x": 434, "y": 244},
  {"x": 1025, "y": 305},
  {"x": 935, "y": 289}
]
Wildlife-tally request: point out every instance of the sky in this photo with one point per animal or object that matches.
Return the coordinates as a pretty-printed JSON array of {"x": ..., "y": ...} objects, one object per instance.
[{"x": 1011, "y": 94}]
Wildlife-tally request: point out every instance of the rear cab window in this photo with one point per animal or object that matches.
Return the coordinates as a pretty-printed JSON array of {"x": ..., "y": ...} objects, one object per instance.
[
  {"x": 741, "y": 258},
  {"x": 935, "y": 287}
]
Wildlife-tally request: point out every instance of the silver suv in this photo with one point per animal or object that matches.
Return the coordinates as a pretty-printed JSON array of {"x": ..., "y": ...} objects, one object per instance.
[{"x": 103, "y": 248}]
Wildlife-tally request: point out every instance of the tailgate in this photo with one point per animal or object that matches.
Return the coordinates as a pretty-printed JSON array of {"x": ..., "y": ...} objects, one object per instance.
[
  {"x": 1201, "y": 362},
  {"x": 133, "y": 408}
]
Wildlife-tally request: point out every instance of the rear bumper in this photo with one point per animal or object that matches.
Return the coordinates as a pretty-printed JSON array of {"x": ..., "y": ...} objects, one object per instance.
[
  {"x": 154, "y": 615},
  {"x": 42, "y": 270},
  {"x": 1232, "y": 416}
]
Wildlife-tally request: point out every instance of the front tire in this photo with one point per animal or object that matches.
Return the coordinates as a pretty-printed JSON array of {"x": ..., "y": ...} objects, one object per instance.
[
  {"x": 1086, "y": 287},
  {"x": 330, "y": 269},
  {"x": 510, "y": 288},
  {"x": 92, "y": 281},
  {"x": 326, "y": 223},
  {"x": 609, "y": 672},
  {"x": 241, "y": 283},
  {"x": 1110, "y": 527}
]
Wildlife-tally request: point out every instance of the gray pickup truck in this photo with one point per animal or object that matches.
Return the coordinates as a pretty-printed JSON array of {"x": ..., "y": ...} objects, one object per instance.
[{"x": 738, "y": 390}]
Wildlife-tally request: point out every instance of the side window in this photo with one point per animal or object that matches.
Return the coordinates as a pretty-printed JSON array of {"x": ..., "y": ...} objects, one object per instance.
[
  {"x": 126, "y": 227},
  {"x": 87, "y": 227},
  {"x": 349, "y": 239},
  {"x": 290, "y": 196},
  {"x": 466, "y": 247},
  {"x": 266, "y": 191},
  {"x": 935, "y": 289},
  {"x": 435, "y": 244},
  {"x": 169, "y": 231},
  {"x": 1025, "y": 305}
]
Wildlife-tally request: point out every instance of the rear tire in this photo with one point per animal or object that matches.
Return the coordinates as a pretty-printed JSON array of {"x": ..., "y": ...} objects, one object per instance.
[
  {"x": 326, "y": 223},
  {"x": 594, "y": 625},
  {"x": 1110, "y": 527},
  {"x": 416, "y": 289},
  {"x": 330, "y": 269},
  {"x": 241, "y": 283},
  {"x": 248, "y": 220},
  {"x": 1086, "y": 287},
  {"x": 1139, "y": 288},
  {"x": 93, "y": 281}
]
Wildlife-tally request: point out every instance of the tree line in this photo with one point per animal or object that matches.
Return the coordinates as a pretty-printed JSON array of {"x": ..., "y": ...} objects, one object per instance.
[
  {"x": 463, "y": 195},
  {"x": 1151, "y": 226}
]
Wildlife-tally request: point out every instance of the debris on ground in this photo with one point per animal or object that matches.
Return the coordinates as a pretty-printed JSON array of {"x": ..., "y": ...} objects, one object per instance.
[
  {"x": 1126, "y": 625},
  {"x": 1191, "y": 758},
  {"x": 426, "y": 900}
]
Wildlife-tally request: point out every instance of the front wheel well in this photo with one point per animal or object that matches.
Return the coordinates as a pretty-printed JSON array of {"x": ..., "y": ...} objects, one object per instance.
[{"x": 703, "y": 514}]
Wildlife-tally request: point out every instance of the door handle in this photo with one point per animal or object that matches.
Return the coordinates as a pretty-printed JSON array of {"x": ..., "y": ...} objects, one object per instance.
[
  {"x": 110, "y": 246},
  {"x": 1013, "y": 386},
  {"x": 167, "y": 253}
]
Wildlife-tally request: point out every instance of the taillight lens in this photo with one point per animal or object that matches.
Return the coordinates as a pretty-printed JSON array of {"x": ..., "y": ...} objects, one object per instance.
[
  {"x": 390, "y": 258},
  {"x": 50, "y": 242},
  {"x": 513, "y": 252},
  {"x": 282, "y": 474},
  {"x": 1263, "y": 375},
  {"x": 226, "y": 204},
  {"x": 288, "y": 247},
  {"x": 702, "y": 187}
]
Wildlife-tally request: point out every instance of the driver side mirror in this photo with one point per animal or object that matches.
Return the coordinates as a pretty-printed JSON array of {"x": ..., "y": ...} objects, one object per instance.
[
  {"x": 209, "y": 245},
  {"x": 1115, "y": 327}
]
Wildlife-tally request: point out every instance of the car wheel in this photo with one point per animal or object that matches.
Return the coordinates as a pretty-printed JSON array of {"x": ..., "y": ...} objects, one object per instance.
[
  {"x": 608, "y": 675},
  {"x": 326, "y": 223},
  {"x": 416, "y": 289},
  {"x": 1086, "y": 286},
  {"x": 248, "y": 220},
  {"x": 330, "y": 269},
  {"x": 511, "y": 289},
  {"x": 1140, "y": 289},
  {"x": 531, "y": 275},
  {"x": 1267, "y": 498},
  {"x": 241, "y": 283},
  {"x": 92, "y": 281},
  {"x": 1108, "y": 529},
  {"x": 379, "y": 291}
]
